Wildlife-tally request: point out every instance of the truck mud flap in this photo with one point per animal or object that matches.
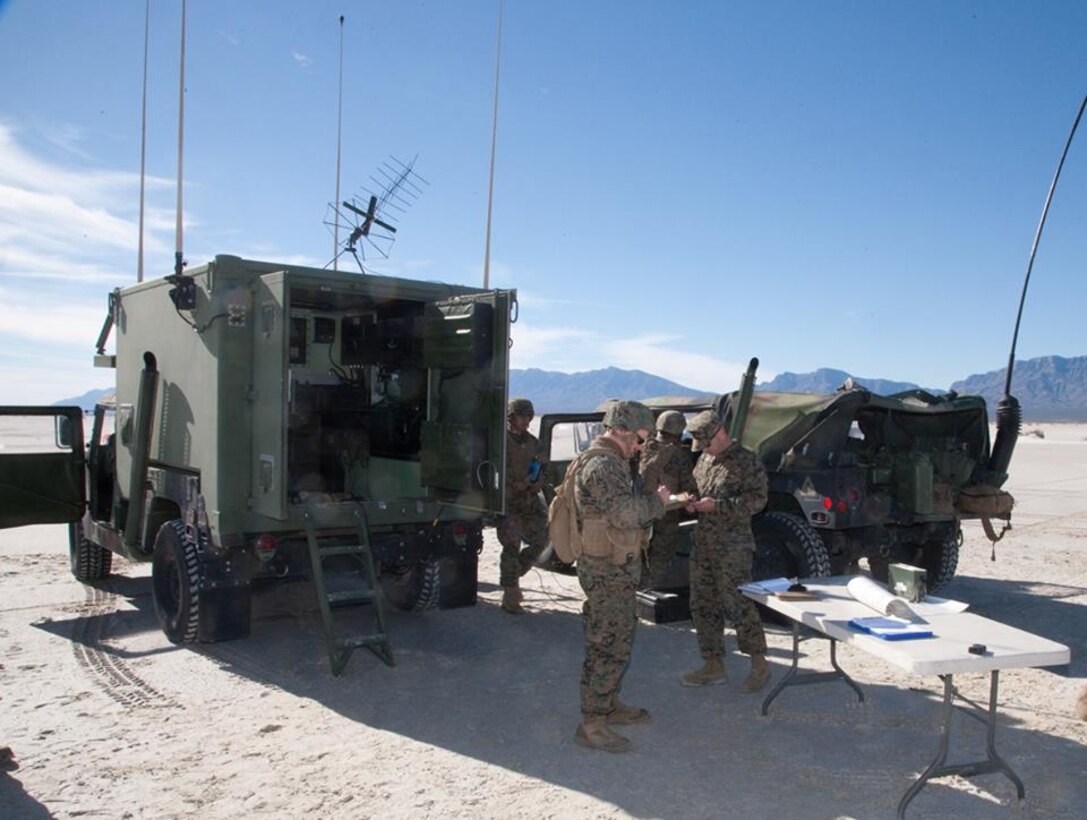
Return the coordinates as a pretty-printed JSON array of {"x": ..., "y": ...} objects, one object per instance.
[{"x": 224, "y": 613}]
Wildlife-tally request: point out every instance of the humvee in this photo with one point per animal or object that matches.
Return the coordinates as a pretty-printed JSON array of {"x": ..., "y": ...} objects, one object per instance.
[
  {"x": 852, "y": 476},
  {"x": 263, "y": 408}
]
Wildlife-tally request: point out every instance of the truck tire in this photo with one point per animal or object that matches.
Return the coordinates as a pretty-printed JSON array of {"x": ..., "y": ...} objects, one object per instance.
[
  {"x": 175, "y": 580},
  {"x": 939, "y": 559},
  {"x": 786, "y": 546},
  {"x": 413, "y": 587},
  {"x": 89, "y": 562}
]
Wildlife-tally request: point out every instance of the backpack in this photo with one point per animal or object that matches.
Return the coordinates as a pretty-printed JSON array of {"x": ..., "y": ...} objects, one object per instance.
[{"x": 563, "y": 528}]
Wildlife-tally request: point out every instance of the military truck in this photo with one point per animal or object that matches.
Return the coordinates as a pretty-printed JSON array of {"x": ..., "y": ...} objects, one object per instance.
[
  {"x": 263, "y": 408},
  {"x": 853, "y": 476}
]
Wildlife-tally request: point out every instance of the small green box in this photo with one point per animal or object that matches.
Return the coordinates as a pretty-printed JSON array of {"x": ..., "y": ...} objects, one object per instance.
[{"x": 907, "y": 582}]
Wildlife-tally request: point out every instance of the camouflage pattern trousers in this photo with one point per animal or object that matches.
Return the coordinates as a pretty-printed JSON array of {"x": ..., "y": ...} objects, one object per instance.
[
  {"x": 608, "y": 617},
  {"x": 717, "y": 571},
  {"x": 526, "y": 521}
]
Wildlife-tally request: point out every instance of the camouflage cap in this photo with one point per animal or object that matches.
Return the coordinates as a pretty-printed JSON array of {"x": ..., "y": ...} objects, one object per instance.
[
  {"x": 520, "y": 407},
  {"x": 702, "y": 428},
  {"x": 629, "y": 415},
  {"x": 671, "y": 421}
]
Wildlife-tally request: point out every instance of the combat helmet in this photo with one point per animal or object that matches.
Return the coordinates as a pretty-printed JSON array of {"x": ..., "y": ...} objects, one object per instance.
[
  {"x": 629, "y": 415},
  {"x": 671, "y": 421},
  {"x": 520, "y": 407}
]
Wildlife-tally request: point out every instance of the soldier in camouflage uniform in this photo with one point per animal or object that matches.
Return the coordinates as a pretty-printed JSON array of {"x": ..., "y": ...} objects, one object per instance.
[
  {"x": 526, "y": 516},
  {"x": 732, "y": 487},
  {"x": 666, "y": 461},
  {"x": 612, "y": 517}
]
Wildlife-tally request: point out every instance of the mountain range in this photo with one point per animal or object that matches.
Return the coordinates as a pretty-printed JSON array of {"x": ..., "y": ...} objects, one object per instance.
[{"x": 1049, "y": 388}]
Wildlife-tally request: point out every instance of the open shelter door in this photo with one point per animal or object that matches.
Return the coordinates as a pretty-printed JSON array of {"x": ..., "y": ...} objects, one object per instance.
[
  {"x": 466, "y": 352},
  {"x": 42, "y": 466}
]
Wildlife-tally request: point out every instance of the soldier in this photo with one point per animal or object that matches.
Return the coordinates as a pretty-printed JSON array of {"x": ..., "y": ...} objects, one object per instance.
[
  {"x": 526, "y": 516},
  {"x": 612, "y": 517},
  {"x": 732, "y": 487},
  {"x": 666, "y": 461}
]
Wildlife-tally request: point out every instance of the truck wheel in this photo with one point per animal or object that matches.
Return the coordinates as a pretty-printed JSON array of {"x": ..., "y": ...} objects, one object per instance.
[
  {"x": 787, "y": 547},
  {"x": 89, "y": 562},
  {"x": 414, "y": 587},
  {"x": 939, "y": 559},
  {"x": 879, "y": 565},
  {"x": 175, "y": 577}
]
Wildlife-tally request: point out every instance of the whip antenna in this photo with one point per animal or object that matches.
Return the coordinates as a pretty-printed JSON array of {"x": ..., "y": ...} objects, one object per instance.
[
  {"x": 339, "y": 138},
  {"x": 143, "y": 137},
  {"x": 1034, "y": 247},
  {"x": 494, "y": 140},
  {"x": 178, "y": 256}
]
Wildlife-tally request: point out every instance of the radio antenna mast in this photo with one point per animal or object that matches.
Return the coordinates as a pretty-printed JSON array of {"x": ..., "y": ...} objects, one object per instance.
[
  {"x": 494, "y": 141},
  {"x": 143, "y": 137},
  {"x": 339, "y": 138},
  {"x": 179, "y": 262}
]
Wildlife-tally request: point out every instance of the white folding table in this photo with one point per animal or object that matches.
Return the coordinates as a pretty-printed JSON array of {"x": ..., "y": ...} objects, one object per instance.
[{"x": 995, "y": 646}]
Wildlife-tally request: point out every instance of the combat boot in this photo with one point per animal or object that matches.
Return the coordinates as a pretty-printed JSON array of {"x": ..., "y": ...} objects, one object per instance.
[
  {"x": 623, "y": 715},
  {"x": 760, "y": 674},
  {"x": 711, "y": 672},
  {"x": 511, "y": 600},
  {"x": 593, "y": 732}
]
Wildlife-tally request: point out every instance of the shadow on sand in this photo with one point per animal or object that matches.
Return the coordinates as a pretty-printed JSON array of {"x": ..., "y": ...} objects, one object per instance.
[{"x": 504, "y": 690}]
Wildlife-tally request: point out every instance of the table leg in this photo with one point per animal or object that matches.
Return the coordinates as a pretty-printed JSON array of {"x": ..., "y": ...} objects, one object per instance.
[
  {"x": 992, "y": 763},
  {"x": 793, "y": 677}
]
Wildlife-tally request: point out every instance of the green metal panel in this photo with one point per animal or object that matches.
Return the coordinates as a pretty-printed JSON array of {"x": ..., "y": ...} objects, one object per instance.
[
  {"x": 268, "y": 398},
  {"x": 466, "y": 346},
  {"x": 41, "y": 477}
]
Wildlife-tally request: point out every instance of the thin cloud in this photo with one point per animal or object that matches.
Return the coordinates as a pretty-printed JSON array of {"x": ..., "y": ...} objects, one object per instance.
[
  {"x": 76, "y": 324},
  {"x": 59, "y": 222},
  {"x": 664, "y": 355},
  {"x": 303, "y": 60},
  {"x": 573, "y": 350}
]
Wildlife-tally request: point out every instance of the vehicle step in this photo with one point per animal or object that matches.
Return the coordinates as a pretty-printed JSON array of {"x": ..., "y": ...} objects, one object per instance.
[
  {"x": 342, "y": 549},
  {"x": 350, "y": 596}
]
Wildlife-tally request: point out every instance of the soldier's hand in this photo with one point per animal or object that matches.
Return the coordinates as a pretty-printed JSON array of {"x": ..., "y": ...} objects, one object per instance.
[
  {"x": 664, "y": 494},
  {"x": 704, "y": 504}
]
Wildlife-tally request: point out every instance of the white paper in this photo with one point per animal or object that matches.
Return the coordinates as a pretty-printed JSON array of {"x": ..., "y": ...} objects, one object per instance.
[
  {"x": 875, "y": 595},
  {"x": 939, "y": 606},
  {"x": 768, "y": 586}
]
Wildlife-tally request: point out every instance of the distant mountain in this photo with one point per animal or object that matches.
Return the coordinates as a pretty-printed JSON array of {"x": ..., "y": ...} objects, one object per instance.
[
  {"x": 827, "y": 380},
  {"x": 553, "y": 392},
  {"x": 86, "y": 401},
  {"x": 1050, "y": 388}
]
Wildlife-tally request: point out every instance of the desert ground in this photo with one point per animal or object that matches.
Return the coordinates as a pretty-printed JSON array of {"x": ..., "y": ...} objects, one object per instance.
[{"x": 105, "y": 718}]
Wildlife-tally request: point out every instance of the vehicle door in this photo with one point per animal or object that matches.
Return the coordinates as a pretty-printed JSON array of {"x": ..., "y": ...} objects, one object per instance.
[
  {"x": 463, "y": 437},
  {"x": 42, "y": 472}
]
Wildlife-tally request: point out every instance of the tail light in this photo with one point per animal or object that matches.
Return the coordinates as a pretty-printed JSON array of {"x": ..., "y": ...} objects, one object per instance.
[
  {"x": 460, "y": 533},
  {"x": 265, "y": 547}
]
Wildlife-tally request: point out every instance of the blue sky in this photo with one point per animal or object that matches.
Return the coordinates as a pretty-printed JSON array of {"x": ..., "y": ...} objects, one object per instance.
[{"x": 679, "y": 186}]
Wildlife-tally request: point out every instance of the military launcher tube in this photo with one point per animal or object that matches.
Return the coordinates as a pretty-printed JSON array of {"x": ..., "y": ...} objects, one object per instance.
[
  {"x": 141, "y": 447},
  {"x": 743, "y": 402},
  {"x": 1008, "y": 425}
]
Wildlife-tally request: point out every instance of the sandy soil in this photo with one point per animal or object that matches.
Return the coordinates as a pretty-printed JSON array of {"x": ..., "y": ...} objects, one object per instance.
[{"x": 106, "y": 718}]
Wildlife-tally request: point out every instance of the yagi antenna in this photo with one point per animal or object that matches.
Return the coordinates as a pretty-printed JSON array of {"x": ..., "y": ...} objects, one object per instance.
[{"x": 394, "y": 188}]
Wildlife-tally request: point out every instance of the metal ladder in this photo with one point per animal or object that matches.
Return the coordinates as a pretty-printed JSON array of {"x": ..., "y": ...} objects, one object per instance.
[{"x": 340, "y": 646}]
